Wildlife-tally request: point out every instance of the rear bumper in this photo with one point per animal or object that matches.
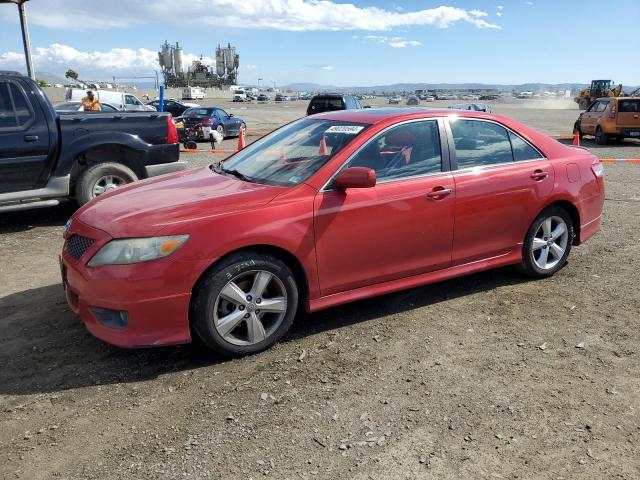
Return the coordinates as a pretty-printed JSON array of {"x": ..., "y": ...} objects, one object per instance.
[{"x": 630, "y": 132}]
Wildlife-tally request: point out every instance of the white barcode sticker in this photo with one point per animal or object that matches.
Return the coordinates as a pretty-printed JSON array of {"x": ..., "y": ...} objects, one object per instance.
[{"x": 346, "y": 129}]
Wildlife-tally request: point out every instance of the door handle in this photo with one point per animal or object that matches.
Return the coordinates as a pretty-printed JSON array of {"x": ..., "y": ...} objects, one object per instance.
[
  {"x": 31, "y": 138},
  {"x": 439, "y": 192},
  {"x": 539, "y": 175}
]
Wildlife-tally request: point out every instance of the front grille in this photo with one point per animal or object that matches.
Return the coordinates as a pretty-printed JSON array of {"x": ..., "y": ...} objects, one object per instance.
[{"x": 77, "y": 245}]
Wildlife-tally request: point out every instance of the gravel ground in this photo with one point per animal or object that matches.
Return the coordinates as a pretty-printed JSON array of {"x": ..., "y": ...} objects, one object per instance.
[{"x": 486, "y": 376}]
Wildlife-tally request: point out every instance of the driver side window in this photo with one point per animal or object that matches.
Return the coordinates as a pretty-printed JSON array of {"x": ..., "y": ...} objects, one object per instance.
[{"x": 404, "y": 151}]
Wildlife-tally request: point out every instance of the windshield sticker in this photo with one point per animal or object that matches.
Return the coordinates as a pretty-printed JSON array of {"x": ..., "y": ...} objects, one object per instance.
[{"x": 346, "y": 129}]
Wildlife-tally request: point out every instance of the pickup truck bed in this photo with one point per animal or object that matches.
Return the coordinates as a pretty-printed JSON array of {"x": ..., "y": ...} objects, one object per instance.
[{"x": 46, "y": 157}]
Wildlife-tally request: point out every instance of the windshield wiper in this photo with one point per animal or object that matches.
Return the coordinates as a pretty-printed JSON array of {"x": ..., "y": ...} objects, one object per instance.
[{"x": 236, "y": 173}]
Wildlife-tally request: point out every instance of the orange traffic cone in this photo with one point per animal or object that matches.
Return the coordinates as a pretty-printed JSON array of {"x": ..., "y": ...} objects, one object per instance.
[
  {"x": 576, "y": 138},
  {"x": 241, "y": 142},
  {"x": 323, "y": 147}
]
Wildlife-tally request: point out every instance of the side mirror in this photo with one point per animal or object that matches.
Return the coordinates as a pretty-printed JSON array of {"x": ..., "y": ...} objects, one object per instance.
[
  {"x": 356, "y": 177},
  {"x": 230, "y": 115}
]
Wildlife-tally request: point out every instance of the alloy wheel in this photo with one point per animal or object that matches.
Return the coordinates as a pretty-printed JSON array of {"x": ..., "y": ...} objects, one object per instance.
[
  {"x": 106, "y": 183},
  {"x": 550, "y": 243},
  {"x": 250, "y": 307}
]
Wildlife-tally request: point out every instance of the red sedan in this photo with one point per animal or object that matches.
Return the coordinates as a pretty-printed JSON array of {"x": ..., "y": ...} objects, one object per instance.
[{"x": 328, "y": 209}]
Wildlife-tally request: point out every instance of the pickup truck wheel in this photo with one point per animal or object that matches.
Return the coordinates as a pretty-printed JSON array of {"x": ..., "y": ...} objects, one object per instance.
[{"x": 101, "y": 178}]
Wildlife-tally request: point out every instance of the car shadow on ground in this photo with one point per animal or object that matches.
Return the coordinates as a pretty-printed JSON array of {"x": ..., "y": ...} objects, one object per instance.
[
  {"x": 44, "y": 348},
  {"x": 24, "y": 220}
]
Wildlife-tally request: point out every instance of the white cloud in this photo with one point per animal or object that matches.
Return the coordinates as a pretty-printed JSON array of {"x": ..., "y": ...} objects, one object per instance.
[
  {"x": 249, "y": 66},
  {"x": 394, "y": 42},
  {"x": 528, "y": 3},
  {"x": 92, "y": 65},
  {"x": 293, "y": 15},
  {"x": 321, "y": 67},
  {"x": 500, "y": 7},
  {"x": 498, "y": 14}
]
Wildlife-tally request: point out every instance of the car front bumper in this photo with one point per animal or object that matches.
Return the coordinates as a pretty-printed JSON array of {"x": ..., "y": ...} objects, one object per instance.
[{"x": 155, "y": 295}]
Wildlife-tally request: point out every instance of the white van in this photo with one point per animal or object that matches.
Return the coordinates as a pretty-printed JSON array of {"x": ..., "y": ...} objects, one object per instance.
[
  {"x": 120, "y": 100},
  {"x": 192, "y": 93},
  {"x": 239, "y": 95}
]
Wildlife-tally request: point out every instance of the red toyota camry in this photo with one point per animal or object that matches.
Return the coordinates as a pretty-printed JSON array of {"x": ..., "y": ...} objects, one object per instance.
[{"x": 328, "y": 209}]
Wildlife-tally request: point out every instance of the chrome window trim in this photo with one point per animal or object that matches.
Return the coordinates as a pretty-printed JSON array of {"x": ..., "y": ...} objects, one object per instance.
[
  {"x": 381, "y": 132},
  {"x": 509, "y": 130}
]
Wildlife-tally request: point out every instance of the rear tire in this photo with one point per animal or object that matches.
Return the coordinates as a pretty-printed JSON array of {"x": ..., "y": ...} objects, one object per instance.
[
  {"x": 601, "y": 137},
  {"x": 229, "y": 313},
  {"x": 101, "y": 178},
  {"x": 547, "y": 243},
  {"x": 220, "y": 129}
]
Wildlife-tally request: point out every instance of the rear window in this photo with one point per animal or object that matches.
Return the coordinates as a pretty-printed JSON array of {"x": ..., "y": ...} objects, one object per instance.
[
  {"x": 325, "y": 104},
  {"x": 15, "y": 110},
  {"x": 480, "y": 143},
  {"x": 199, "y": 111},
  {"x": 629, "y": 106}
]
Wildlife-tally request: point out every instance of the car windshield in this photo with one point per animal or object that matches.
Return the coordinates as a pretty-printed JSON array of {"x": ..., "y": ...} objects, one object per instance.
[{"x": 293, "y": 153}]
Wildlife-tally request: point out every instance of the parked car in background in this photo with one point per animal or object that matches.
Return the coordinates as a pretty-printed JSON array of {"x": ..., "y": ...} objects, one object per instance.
[
  {"x": 280, "y": 97},
  {"x": 77, "y": 107},
  {"x": 447, "y": 96},
  {"x": 48, "y": 156},
  {"x": 263, "y": 98},
  {"x": 193, "y": 93},
  {"x": 329, "y": 102},
  {"x": 413, "y": 100},
  {"x": 230, "y": 253},
  {"x": 475, "y": 107},
  {"x": 395, "y": 99},
  {"x": 174, "y": 107},
  {"x": 212, "y": 118},
  {"x": 430, "y": 98},
  {"x": 610, "y": 118},
  {"x": 120, "y": 100}
]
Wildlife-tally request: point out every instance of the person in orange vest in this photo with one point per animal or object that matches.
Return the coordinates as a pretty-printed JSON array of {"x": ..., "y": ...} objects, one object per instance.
[{"x": 90, "y": 102}]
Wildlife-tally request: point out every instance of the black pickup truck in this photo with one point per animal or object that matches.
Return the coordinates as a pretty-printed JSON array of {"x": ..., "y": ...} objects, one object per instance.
[{"x": 46, "y": 156}]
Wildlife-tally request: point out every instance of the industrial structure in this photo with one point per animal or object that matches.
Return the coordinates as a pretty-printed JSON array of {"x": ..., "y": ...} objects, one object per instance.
[{"x": 199, "y": 74}]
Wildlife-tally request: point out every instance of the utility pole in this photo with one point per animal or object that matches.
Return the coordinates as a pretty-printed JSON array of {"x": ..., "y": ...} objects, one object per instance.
[{"x": 25, "y": 34}]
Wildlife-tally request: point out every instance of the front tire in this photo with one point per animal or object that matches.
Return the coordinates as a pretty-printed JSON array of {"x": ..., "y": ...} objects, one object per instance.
[
  {"x": 547, "y": 243},
  {"x": 245, "y": 304},
  {"x": 220, "y": 129},
  {"x": 101, "y": 178}
]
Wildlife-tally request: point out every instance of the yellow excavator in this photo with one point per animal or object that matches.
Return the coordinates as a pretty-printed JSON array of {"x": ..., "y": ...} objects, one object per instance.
[{"x": 599, "y": 88}]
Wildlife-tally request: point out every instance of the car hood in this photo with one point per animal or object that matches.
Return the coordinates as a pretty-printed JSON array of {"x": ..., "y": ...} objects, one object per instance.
[{"x": 162, "y": 203}]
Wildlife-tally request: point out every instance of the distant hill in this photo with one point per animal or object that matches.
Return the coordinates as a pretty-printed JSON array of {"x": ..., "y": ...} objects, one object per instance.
[{"x": 410, "y": 87}]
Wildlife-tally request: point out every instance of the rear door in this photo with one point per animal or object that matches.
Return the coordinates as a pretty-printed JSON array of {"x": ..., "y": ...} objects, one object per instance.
[
  {"x": 501, "y": 183},
  {"x": 628, "y": 116},
  {"x": 24, "y": 140}
]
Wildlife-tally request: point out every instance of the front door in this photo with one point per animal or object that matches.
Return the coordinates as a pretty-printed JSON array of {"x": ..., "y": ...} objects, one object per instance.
[
  {"x": 589, "y": 119},
  {"x": 398, "y": 228},
  {"x": 24, "y": 140}
]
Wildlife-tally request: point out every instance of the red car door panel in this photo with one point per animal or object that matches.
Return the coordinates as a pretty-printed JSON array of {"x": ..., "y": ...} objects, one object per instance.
[
  {"x": 495, "y": 206},
  {"x": 393, "y": 230}
]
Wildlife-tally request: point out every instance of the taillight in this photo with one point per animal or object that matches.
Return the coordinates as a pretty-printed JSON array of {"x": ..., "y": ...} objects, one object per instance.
[
  {"x": 597, "y": 168},
  {"x": 206, "y": 121},
  {"x": 172, "y": 131},
  {"x": 612, "y": 113}
]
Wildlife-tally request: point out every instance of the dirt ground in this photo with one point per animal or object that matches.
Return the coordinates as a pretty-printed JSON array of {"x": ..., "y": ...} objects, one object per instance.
[{"x": 487, "y": 376}]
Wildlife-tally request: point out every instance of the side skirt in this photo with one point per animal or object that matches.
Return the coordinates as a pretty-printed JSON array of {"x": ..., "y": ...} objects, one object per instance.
[{"x": 513, "y": 257}]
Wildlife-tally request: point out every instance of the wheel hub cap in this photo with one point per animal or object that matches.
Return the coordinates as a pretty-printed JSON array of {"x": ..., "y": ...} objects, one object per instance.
[{"x": 550, "y": 242}]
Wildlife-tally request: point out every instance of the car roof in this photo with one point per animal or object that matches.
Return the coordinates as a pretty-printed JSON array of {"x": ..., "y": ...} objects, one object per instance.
[{"x": 383, "y": 114}]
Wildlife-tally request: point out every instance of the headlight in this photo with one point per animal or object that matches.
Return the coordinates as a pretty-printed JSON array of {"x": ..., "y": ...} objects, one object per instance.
[{"x": 135, "y": 250}]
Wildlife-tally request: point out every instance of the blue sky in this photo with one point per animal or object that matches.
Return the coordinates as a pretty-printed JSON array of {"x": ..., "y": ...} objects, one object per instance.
[{"x": 333, "y": 42}]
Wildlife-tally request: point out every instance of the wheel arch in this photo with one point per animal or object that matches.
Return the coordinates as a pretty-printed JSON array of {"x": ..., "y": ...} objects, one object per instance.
[
  {"x": 111, "y": 152},
  {"x": 285, "y": 256},
  {"x": 573, "y": 212}
]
